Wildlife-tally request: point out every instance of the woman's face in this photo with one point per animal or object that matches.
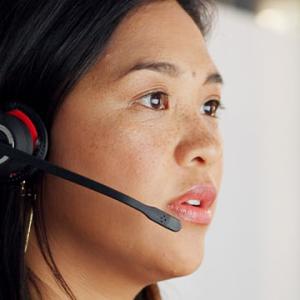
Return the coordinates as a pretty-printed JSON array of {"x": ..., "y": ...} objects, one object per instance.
[{"x": 109, "y": 130}]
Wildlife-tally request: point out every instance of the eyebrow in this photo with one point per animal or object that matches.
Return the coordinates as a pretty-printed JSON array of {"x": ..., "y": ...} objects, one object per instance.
[{"x": 171, "y": 70}]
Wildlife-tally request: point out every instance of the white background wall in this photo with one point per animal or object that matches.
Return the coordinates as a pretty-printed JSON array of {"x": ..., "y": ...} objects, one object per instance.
[{"x": 252, "y": 247}]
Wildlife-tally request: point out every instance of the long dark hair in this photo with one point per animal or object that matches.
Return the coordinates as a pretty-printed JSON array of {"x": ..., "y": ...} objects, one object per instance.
[{"x": 45, "y": 48}]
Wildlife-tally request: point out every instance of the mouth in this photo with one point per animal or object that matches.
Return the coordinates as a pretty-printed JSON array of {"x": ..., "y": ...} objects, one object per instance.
[{"x": 195, "y": 205}]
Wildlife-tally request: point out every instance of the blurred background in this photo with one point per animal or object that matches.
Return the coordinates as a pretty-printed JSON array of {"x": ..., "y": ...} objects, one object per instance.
[
  {"x": 252, "y": 247},
  {"x": 282, "y": 16}
]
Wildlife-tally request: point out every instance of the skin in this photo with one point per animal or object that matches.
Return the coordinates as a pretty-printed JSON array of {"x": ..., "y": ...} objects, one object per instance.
[{"x": 107, "y": 131}]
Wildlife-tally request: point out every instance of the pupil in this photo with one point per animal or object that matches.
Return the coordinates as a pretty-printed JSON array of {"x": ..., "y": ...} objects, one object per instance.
[
  {"x": 211, "y": 108},
  {"x": 155, "y": 101}
]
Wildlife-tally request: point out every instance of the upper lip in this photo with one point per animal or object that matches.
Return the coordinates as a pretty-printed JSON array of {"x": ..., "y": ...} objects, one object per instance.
[{"x": 206, "y": 193}]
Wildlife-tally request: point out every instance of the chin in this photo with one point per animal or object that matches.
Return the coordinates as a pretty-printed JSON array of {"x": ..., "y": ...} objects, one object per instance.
[
  {"x": 186, "y": 267},
  {"x": 176, "y": 265}
]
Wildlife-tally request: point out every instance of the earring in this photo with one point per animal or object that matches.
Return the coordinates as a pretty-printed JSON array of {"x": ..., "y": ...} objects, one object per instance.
[
  {"x": 28, "y": 229},
  {"x": 27, "y": 195}
]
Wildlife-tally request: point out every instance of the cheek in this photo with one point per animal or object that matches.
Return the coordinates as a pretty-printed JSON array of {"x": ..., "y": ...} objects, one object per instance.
[
  {"x": 133, "y": 160},
  {"x": 115, "y": 153}
]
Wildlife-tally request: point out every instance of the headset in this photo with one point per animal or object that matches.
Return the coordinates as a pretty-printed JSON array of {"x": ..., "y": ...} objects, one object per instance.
[{"x": 23, "y": 149}]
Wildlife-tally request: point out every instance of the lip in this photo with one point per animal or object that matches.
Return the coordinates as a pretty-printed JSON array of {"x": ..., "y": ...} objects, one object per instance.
[{"x": 202, "y": 214}]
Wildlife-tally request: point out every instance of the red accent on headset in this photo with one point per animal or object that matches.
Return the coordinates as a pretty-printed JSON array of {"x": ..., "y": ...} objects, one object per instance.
[{"x": 25, "y": 119}]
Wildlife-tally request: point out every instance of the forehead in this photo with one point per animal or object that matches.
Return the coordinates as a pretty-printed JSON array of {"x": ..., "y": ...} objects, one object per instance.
[{"x": 161, "y": 30}]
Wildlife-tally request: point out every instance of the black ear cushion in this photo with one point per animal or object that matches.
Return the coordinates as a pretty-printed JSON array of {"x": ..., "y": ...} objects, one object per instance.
[
  {"x": 21, "y": 139},
  {"x": 13, "y": 171}
]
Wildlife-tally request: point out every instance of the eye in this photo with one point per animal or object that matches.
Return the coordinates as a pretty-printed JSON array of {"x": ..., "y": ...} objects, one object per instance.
[
  {"x": 156, "y": 100},
  {"x": 212, "y": 106}
]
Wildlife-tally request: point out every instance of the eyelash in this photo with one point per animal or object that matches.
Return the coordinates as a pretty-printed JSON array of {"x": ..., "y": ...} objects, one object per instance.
[{"x": 218, "y": 103}]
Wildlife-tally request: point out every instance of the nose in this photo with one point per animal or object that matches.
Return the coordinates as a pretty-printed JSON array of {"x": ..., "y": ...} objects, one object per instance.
[{"x": 200, "y": 143}]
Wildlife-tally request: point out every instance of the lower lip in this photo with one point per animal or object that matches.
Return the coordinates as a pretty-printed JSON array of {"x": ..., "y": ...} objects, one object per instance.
[{"x": 191, "y": 213}]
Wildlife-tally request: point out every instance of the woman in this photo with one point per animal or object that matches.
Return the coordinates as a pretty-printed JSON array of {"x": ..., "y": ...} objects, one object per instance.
[{"x": 123, "y": 91}]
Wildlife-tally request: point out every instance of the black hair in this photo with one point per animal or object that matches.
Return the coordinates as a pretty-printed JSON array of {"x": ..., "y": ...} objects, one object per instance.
[{"x": 45, "y": 48}]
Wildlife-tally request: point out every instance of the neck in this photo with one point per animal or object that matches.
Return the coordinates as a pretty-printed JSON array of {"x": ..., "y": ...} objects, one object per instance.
[{"x": 89, "y": 274}]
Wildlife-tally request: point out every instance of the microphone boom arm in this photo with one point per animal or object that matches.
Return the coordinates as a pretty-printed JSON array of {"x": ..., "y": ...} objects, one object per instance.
[{"x": 153, "y": 213}]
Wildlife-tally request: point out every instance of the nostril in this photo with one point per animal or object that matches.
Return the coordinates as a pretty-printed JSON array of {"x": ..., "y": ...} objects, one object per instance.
[{"x": 199, "y": 159}]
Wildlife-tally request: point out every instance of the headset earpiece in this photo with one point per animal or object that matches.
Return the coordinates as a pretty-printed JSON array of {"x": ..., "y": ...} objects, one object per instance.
[{"x": 23, "y": 129}]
